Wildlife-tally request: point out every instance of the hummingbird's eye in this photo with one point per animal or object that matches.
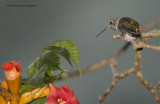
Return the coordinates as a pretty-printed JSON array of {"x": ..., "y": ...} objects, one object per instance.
[{"x": 111, "y": 22}]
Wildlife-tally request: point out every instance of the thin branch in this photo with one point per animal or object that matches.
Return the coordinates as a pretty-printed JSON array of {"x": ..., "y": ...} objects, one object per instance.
[
  {"x": 116, "y": 77},
  {"x": 145, "y": 83},
  {"x": 139, "y": 44},
  {"x": 151, "y": 25},
  {"x": 143, "y": 45},
  {"x": 136, "y": 69},
  {"x": 137, "y": 66},
  {"x": 103, "y": 97},
  {"x": 126, "y": 73},
  {"x": 98, "y": 65},
  {"x": 105, "y": 62},
  {"x": 157, "y": 86},
  {"x": 154, "y": 33},
  {"x": 139, "y": 75},
  {"x": 150, "y": 34}
]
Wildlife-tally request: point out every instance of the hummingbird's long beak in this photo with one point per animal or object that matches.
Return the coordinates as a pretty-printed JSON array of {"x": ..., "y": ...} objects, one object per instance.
[{"x": 103, "y": 30}]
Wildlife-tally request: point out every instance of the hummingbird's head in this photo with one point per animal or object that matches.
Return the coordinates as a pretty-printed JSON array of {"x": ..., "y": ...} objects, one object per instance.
[{"x": 113, "y": 24}]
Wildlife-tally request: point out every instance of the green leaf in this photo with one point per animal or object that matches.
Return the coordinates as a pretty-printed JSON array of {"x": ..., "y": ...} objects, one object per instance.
[
  {"x": 26, "y": 88},
  {"x": 53, "y": 78},
  {"x": 39, "y": 101},
  {"x": 61, "y": 51},
  {"x": 33, "y": 68},
  {"x": 40, "y": 72},
  {"x": 41, "y": 78},
  {"x": 52, "y": 60},
  {"x": 71, "y": 47},
  {"x": 38, "y": 78}
]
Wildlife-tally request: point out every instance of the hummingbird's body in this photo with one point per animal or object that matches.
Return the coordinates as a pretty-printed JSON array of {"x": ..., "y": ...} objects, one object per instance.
[{"x": 128, "y": 28}]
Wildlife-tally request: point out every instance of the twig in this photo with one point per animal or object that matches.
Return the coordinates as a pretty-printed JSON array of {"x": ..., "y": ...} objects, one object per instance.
[
  {"x": 116, "y": 77},
  {"x": 157, "y": 86},
  {"x": 103, "y": 97},
  {"x": 105, "y": 62},
  {"x": 154, "y": 33},
  {"x": 145, "y": 83},
  {"x": 139, "y": 75},
  {"x": 98, "y": 65},
  {"x": 137, "y": 71},
  {"x": 143, "y": 45},
  {"x": 151, "y": 25},
  {"x": 139, "y": 44},
  {"x": 137, "y": 66},
  {"x": 150, "y": 34}
]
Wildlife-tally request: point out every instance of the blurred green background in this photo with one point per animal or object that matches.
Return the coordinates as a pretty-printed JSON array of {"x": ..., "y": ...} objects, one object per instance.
[{"x": 25, "y": 31}]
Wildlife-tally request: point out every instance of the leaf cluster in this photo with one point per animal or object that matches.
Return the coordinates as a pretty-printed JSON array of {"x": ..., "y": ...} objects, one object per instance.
[{"x": 46, "y": 68}]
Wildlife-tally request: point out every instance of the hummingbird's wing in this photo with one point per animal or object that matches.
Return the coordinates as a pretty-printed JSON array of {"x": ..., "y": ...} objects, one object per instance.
[{"x": 130, "y": 26}]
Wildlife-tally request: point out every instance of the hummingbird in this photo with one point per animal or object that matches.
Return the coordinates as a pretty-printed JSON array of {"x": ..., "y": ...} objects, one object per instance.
[{"x": 127, "y": 27}]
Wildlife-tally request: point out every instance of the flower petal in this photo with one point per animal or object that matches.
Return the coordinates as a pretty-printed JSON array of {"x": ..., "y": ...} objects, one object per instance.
[
  {"x": 18, "y": 67},
  {"x": 12, "y": 64},
  {"x": 65, "y": 92},
  {"x": 52, "y": 101},
  {"x": 9, "y": 65},
  {"x": 55, "y": 91},
  {"x": 74, "y": 100},
  {"x": 71, "y": 92},
  {"x": 71, "y": 95}
]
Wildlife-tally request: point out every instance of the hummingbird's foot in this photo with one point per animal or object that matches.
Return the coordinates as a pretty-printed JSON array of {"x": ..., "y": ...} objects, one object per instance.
[
  {"x": 117, "y": 36},
  {"x": 123, "y": 38},
  {"x": 136, "y": 45}
]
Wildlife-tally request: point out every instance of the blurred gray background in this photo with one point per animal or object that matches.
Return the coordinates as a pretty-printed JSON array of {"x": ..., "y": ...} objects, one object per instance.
[{"x": 25, "y": 31}]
